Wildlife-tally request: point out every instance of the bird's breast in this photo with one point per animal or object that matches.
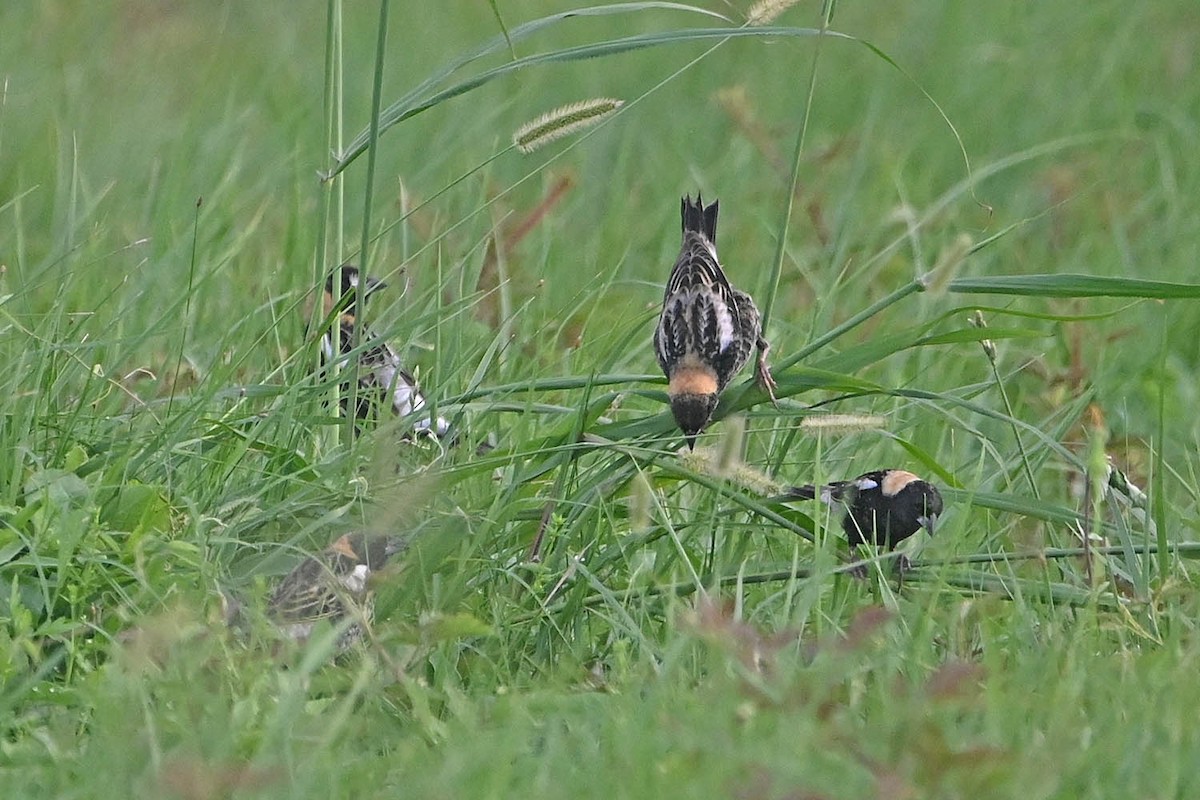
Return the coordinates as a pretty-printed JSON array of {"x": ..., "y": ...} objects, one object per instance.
[{"x": 692, "y": 377}]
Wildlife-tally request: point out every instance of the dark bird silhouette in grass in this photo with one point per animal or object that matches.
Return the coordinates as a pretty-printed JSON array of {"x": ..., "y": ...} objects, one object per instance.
[{"x": 883, "y": 507}]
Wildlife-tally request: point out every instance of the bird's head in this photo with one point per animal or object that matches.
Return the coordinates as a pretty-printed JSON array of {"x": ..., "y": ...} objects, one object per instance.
[
  {"x": 367, "y": 549},
  {"x": 921, "y": 499},
  {"x": 930, "y": 504},
  {"x": 692, "y": 412},
  {"x": 692, "y": 388},
  {"x": 346, "y": 278}
]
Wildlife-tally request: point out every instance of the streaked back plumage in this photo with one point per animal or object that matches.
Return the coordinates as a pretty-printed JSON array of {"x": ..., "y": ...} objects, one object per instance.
[
  {"x": 330, "y": 585},
  {"x": 707, "y": 328},
  {"x": 704, "y": 318}
]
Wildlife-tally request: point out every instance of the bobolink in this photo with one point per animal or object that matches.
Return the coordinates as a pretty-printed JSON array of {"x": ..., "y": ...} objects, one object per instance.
[
  {"x": 707, "y": 328},
  {"x": 379, "y": 368},
  {"x": 883, "y": 507},
  {"x": 330, "y": 585}
]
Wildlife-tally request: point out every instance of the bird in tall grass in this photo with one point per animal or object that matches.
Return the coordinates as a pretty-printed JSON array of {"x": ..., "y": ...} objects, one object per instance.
[
  {"x": 707, "y": 328},
  {"x": 381, "y": 376},
  {"x": 883, "y": 507},
  {"x": 332, "y": 585}
]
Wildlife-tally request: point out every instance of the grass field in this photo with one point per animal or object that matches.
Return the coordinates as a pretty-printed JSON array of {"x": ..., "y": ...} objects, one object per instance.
[{"x": 588, "y": 609}]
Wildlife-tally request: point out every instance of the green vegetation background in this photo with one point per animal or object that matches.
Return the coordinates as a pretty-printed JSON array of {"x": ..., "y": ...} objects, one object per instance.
[{"x": 162, "y": 229}]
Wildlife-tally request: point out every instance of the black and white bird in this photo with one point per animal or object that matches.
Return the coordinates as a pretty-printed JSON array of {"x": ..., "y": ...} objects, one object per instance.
[
  {"x": 332, "y": 585},
  {"x": 883, "y": 507},
  {"x": 707, "y": 328},
  {"x": 380, "y": 373}
]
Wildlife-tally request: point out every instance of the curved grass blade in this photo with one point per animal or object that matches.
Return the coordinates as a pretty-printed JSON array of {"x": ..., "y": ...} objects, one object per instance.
[
  {"x": 1013, "y": 588},
  {"x": 671, "y": 467},
  {"x": 395, "y": 112},
  {"x": 1022, "y": 506},
  {"x": 1074, "y": 285},
  {"x": 794, "y": 179},
  {"x": 503, "y": 28},
  {"x": 411, "y": 106}
]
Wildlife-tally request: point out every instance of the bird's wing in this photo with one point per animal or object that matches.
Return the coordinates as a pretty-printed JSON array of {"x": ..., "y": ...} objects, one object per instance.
[{"x": 700, "y": 314}]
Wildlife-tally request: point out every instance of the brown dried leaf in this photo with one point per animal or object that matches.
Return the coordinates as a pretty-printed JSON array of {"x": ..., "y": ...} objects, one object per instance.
[
  {"x": 196, "y": 779},
  {"x": 955, "y": 679},
  {"x": 864, "y": 625}
]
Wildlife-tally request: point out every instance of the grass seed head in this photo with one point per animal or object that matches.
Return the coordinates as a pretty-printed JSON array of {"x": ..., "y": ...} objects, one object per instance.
[
  {"x": 764, "y": 12},
  {"x": 708, "y": 461},
  {"x": 563, "y": 121},
  {"x": 843, "y": 423}
]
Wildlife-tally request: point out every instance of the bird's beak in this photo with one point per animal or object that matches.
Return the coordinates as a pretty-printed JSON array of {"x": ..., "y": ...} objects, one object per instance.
[
  {"x": 928, "y": 522},
  {"x": 691, "y": 441},
  {"x": 373, "y": 284}
]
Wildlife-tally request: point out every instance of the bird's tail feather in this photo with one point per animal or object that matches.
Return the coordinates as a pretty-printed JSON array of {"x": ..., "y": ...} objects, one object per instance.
[
  {"x": 828, "y": 493},
  {"x": 806, "y": 492},
  {"x": 696, "y": 217}
]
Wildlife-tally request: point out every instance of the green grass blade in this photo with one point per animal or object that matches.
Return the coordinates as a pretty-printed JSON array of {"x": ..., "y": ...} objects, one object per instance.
[
  {"x": 1075, "y": 285},
  {"x": 412, "y": 106}
]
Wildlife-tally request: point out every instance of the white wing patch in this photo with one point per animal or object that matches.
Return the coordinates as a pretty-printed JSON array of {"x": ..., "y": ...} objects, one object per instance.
[
  {"x": 866, "y": 484},
  {"x": 356, "y": 581},
  {"x": 724, "y": 323},
  {"x": 407, "y": 399},
  {"x": 299, "y": 630}
]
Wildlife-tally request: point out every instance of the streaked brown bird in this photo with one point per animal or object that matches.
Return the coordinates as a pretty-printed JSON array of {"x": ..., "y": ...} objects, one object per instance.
[
  {"x": 381, "y": 376},
  {"x": 332, "y": 585},
  {"x": 707, "y": 328}
]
